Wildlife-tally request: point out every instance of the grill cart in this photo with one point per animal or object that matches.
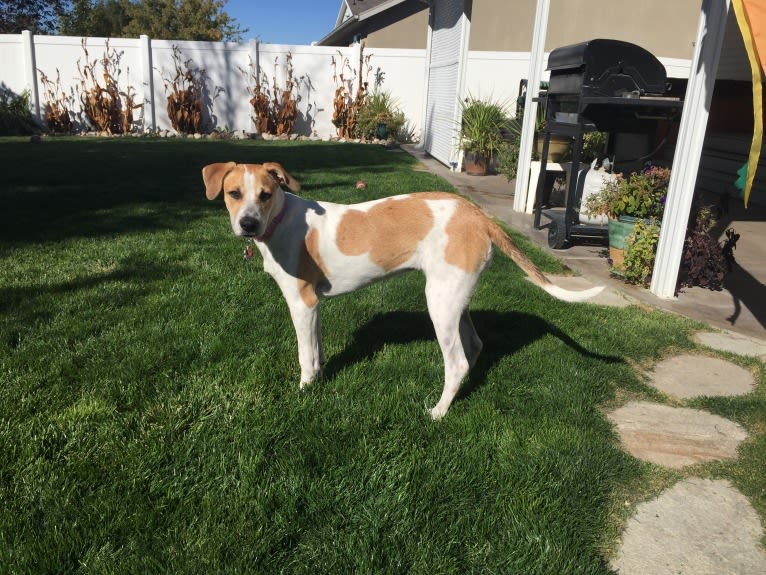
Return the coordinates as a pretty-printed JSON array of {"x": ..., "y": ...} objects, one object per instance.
[{"x": 599, "y": 85}]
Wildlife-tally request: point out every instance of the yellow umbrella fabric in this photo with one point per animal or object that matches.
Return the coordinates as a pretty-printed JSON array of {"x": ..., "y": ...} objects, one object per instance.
[{"x": 751, "y": 17}]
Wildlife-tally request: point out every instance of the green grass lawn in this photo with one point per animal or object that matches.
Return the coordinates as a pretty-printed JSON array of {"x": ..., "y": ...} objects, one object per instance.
[{"x": 150, "y": 418}]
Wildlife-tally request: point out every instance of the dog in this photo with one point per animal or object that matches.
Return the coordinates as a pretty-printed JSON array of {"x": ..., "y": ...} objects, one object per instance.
[{"x": 314, "y": 249}]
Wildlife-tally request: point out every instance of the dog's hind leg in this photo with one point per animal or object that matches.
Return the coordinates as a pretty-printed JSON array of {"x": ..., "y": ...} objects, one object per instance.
[
  {"x": 472, "y": 344},
  {"x": 454, "y": 330}
]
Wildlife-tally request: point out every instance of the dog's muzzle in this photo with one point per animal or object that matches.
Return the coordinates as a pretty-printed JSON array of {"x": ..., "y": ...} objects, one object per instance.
[{"x": 249, "y": 225}]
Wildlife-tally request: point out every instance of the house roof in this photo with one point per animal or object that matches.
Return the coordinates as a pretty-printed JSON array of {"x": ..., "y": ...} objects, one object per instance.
[
  {"x": 359, "y": 6},
  {"x": 352, "y": 16}
]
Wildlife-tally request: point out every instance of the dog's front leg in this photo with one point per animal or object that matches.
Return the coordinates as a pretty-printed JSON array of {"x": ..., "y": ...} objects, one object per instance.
[{"x": 310, "y": 355}]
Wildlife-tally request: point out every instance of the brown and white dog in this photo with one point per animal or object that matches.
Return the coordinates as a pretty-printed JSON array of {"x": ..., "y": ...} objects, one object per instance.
[{"x": 314, "y": 249}]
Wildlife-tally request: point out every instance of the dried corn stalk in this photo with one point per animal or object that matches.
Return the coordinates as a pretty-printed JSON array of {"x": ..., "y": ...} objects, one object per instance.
[
  {"x": 259, "y": 99},
  {"x": 56, "y": 110},
  {"x": 103, "y": 105},
  {"x": 345, "y": 107},
  {"x": 285, "y": 110},
  {"x": 276, "y": 112},
  {"x": 261, "y": 106},
  {"x": 185, "y": 99}
]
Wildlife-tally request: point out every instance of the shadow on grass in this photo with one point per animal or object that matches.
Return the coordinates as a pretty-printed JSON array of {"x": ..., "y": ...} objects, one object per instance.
[
  {"x": 503, "y": 334},
  {"x": 130, "y": 281},
  {"x": 94, "y": 187}
]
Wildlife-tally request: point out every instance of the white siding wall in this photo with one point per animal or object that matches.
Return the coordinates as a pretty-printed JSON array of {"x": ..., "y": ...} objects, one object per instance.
[{"x": 496, "y": 75}]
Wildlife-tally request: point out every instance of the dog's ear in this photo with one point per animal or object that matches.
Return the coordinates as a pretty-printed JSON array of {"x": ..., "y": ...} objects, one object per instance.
[
  {"x": 281, "y": 175},
  {"x": 213, "y": 175}
]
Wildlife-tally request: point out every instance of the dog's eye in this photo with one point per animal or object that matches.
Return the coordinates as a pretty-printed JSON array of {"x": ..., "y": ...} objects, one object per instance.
[
  {"x": 235, "y": 194},
  {"x": 265, "y": 196}
]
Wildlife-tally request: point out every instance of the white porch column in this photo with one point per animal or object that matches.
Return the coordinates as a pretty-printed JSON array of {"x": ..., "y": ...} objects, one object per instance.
[
  {"x": 691, "y": 135},
  {"x": 521, "y": 202}
]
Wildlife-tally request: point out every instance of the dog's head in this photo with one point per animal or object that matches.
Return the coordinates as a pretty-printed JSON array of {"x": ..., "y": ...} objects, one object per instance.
[{"x": 252, "y": 192}]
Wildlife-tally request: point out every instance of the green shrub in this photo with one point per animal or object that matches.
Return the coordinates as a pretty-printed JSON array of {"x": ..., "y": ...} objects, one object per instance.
[
  {"x": 640, "y": 251},
  {"x": 15, "y": 117},
  {"x": 508, "y": 159},
  {"x": 703, "y": 261},
  {"x": 379, "y": 108}
]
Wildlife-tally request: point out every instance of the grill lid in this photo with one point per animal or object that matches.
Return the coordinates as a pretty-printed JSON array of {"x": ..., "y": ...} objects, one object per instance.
[{"x": 609, "y": 68}]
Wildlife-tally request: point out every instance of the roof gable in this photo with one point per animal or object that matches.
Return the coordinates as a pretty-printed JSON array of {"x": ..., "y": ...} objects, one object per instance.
[
  {"x": 357, "y": 7},
  {"x": 352, "y": 13}
]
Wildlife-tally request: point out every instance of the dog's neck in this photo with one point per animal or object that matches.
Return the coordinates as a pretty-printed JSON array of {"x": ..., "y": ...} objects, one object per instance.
[{"x": 274, "y": 222}]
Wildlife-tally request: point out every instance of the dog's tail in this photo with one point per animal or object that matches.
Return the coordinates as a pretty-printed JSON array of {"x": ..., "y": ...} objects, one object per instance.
[{"x": 506, "y": 245}]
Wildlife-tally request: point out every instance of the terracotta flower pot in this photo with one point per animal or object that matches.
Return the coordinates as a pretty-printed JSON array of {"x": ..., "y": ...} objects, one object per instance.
[{"x": 475, "y": 164}]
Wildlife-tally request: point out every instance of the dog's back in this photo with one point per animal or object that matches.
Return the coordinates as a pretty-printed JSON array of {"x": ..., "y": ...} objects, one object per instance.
[{"x": 425, "y": 231}]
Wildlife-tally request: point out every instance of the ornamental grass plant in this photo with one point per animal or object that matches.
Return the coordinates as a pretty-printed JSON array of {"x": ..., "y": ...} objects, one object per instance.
[{"x": 482, "y": 125}]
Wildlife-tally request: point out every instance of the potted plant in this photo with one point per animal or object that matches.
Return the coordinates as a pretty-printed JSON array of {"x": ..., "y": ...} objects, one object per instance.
[
  {"x": 624, "y": 200},
  {"x": 481, "y": 132},
  {"x": 379, "y": 117}
]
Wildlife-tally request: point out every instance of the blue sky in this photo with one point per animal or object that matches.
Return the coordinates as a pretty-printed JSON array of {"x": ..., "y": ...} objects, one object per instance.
[{"x": 284, "y": 21}]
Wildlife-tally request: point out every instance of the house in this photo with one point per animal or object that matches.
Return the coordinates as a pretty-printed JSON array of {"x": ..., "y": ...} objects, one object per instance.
[
  {"x": 507, "y": 25},
  {"x": 458, "y": 27},
  {"x": 381, "y": 23},
  {"x": 693, "y": 30},
  {"x": 487, "y": 28}
]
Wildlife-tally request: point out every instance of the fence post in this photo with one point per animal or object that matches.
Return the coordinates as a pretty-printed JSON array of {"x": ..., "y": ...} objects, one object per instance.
[
  {"x": 147, "y": 81},
  {"x": 30, "y": 72},
  {"x": 357, "y": 59},
  {"x": 254, "y": 52}
]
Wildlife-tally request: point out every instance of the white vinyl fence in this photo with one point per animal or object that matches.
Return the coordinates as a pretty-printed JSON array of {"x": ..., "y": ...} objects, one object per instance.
[{"x": 145, "y": 66}]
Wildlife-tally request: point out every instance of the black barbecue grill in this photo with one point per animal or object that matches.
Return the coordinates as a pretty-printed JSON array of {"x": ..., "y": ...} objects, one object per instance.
[{"x": 599, "y": 85}]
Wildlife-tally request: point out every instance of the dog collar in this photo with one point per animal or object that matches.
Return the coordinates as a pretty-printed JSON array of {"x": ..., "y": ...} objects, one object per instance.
[{"x": 273, "y": 224}]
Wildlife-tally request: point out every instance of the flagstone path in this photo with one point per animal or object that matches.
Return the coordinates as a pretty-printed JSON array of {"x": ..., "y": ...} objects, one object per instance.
[{"x": 698, "y": 526}]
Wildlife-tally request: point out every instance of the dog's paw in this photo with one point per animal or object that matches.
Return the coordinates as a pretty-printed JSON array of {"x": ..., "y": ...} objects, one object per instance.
[{"x": 437, "y": 413}]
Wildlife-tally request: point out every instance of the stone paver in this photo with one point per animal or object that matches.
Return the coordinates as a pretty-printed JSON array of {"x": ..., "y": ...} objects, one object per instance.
[
  {"x": 697, "y": 527},
  {"x": 685, "y": 376},
  {"x": 676, "y": 437},
  {"x": 733, "y": 343}
]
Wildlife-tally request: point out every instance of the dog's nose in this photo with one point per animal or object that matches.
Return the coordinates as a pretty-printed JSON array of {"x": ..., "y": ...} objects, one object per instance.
[{"x": 248, "y": 224}]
